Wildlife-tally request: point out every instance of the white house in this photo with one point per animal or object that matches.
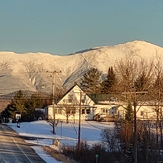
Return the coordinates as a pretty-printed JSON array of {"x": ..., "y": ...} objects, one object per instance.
[
  {"x": 68, "y": 107},
  {"x": 76, "y": 101},
  {"x": 111, "y": 112},
  {"x": 146, "y": 112}
]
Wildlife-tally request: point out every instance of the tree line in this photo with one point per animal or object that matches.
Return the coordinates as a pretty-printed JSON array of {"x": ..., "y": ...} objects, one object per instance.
[
  {"x": 26, "y": 106},
  {"x": 127, "y": 75}
]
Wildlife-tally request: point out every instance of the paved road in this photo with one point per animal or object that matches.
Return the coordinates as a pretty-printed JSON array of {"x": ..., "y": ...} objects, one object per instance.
[{"x": 13, "y": 149}]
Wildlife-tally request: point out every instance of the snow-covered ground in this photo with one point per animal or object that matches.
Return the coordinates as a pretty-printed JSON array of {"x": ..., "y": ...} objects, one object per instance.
[{"x": 65, "y": 133}]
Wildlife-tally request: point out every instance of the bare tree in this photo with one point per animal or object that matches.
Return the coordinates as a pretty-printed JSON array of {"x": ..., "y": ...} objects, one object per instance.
[
  {"x": 156, "y": 93},
  {"x": 108, "y": 137},
  {"x": 135, "y": 78},
  {"x": 134, "y": 73}
]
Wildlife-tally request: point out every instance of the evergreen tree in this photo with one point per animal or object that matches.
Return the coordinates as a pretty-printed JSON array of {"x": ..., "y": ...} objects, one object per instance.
[
  {"x": 33, "y": 102},
  {"x": 5, "y": 113},
  {"x": 17, "y": 105},
  {"x": 129, "y": 113},
  {"x": 109, "y": 83},
  {"x": 91, "y": 81}
]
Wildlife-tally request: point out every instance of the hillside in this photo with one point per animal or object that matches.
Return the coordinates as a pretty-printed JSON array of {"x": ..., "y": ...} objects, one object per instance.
[{"x": 29, "y": 71}]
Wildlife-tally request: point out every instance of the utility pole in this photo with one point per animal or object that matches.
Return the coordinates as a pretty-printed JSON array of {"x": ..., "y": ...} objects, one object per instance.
[
  {"x": 135, "y": 130},
  {"x": 79, "y": 128},
  {"x": 135, "y": 120},
  {"x": 53, "y": 73}
]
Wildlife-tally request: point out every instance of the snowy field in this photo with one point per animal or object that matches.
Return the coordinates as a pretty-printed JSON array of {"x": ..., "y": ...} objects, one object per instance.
[{"x": 65, "y": 133}]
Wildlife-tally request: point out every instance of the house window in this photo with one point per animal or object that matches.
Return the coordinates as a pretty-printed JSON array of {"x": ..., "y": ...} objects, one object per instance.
[
  {"x": 70, "y": 111},
  {"x": 83, "y": 98},
  {"x": 70, "y": 98},
  {"x": 104, "y": 110},
  {"x": 73, "y": 111},
  {"x": 88, "y": 111},
  {"x": 83, "y": 111},
  {"x": 59, "y": 111},
  {"x": 142, "y": 113}
]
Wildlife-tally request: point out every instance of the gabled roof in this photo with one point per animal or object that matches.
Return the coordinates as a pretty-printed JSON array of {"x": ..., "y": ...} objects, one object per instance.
[{"x": 75, "y": 85}]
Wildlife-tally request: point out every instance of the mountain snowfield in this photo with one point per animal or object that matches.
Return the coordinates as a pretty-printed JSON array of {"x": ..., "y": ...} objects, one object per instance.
[{"x": 33, "y": 71}]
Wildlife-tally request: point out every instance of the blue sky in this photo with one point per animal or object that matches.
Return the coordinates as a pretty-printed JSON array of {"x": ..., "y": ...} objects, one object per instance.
[{"x": 65, "y": 26}]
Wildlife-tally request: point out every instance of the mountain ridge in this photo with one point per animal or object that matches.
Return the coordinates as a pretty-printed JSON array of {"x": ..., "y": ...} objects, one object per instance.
[{"x": 28, "y": 71}]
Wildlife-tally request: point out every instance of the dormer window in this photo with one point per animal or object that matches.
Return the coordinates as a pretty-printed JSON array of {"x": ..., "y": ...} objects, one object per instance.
[
  {"x": 70, "y": 98},
  {"x": 83, "y": 98}
]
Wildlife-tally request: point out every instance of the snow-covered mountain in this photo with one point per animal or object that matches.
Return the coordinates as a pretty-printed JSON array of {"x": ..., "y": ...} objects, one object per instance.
[{"x": 33, "y": 71}]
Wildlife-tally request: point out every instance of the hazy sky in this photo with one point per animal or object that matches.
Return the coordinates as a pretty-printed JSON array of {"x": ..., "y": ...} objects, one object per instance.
[{"x": 66, "y": 26}]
